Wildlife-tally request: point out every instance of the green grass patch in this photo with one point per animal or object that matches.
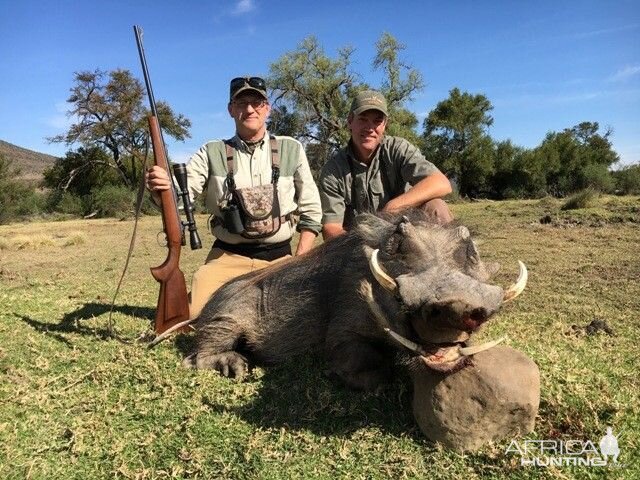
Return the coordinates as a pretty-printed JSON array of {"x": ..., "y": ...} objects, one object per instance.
[
  {"x": 76, "y": 404},
  {"x": 583, "y": 199}
]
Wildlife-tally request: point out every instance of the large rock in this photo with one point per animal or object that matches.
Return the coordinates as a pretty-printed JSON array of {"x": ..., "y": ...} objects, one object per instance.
[{"x": 494, "y": 399}]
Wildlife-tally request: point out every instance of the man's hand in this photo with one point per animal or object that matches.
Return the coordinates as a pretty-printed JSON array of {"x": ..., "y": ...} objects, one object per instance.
[
  {"x": 157, "y": 180},
  {"x": 393, "y": 205}
]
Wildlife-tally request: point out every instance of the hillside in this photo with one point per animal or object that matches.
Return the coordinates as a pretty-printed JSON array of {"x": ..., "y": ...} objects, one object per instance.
[{"x": 31, "y": 164}]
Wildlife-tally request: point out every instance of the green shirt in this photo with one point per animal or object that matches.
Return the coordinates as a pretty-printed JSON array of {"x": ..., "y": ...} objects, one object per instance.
[
  {"x": 396, "y": 165},
  {"x": 207, "y": 172}
]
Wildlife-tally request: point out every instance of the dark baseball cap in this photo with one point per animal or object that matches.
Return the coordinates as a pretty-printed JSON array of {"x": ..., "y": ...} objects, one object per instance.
[
  {"x": 242, "y": 84},
  {"x": 368, "y": 100}
]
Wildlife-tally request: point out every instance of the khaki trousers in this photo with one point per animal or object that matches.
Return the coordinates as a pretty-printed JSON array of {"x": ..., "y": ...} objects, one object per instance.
[{"x": 220, "y": 267}]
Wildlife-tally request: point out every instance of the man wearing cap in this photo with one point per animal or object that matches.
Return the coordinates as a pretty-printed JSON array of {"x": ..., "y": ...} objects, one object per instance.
[
  {"x": 375, "y": 172},
  {"x": 250, "y": 154}
]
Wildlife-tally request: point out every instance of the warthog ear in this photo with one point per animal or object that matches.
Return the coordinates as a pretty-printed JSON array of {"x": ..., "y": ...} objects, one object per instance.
[
  {"x": 373, "y": 229},
  {"x": 392, "y": 244}
]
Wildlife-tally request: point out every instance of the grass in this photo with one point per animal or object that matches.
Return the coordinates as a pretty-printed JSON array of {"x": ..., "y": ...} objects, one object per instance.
[
  {"x": 583, "y": 199},
  {"x": 75, "y": 404}
]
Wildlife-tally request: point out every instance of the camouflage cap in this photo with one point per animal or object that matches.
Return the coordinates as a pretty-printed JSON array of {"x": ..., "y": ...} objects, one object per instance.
[
  {"x": 368, "y": 100},
  {"x": 242, "y": 84}
]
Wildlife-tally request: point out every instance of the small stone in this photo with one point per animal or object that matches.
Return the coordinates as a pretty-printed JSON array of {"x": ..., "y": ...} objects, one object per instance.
[{"x": 495, "y": 398}]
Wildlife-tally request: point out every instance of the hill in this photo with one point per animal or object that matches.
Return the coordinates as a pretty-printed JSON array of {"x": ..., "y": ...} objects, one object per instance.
[{"x": 31, "y": 164}]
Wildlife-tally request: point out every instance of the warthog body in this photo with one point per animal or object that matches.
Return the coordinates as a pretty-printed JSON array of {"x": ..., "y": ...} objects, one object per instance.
[{"x": 317, "y": 302}]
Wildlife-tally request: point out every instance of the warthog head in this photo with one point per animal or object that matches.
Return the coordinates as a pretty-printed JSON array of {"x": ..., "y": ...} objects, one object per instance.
[{"x": 435, "y": 275}]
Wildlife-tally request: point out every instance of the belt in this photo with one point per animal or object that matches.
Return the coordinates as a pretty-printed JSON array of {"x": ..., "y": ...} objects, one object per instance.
[{"x": 259, "y": 251}]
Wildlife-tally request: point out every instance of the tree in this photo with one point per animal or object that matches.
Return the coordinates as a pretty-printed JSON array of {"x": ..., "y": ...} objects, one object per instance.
[
  {"x": 628, "y": 179},
  {"x": 316, "y": 88},
  {"x": 577, "y": 158},
  {"x": 312, "y": 94},
  {"x": 109, "y": 113},
  {"x": 517, "y": 173},
  {"x": 456, "y": 140},
  {"x": 396, "y": 89},
  {"x": 80, "y": 172}
]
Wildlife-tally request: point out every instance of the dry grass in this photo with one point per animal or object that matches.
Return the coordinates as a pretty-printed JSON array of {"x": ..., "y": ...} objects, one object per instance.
[
  {"x": 75, "y": 404},
  {"x": 33, "y": 241}
]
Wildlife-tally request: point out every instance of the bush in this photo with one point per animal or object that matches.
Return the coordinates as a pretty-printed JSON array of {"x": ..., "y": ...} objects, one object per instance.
[
  {"x": 148, "y": 207},
  {"x": 598, "y": 177},
  {"x": 584, "y": 199},
  {"x": 17, "y": 198},
  {"x": 113, "y": 201},
  {"x": 627, "y": 180},
  {"x": 68, "y": 203}
]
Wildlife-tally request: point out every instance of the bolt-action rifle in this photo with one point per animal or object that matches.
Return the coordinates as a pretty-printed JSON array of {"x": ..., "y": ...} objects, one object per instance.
[{"x": 173, "y": 302}]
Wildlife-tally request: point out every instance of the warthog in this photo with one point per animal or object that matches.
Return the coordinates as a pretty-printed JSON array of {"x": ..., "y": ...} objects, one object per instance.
[{"x": 390, "y": 282}]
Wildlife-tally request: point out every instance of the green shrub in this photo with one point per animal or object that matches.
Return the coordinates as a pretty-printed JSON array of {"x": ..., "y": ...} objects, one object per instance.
[
  {"x": 67, "y": 203},
  {"x": 598, "y": 177},
  {"x": 627, "y": 180},
  {"x": 148, "y": 207},
  {"x": 113, "y": 201},
  {"x": 18, "y": 198},
  {"x": 583, "y": 199}
]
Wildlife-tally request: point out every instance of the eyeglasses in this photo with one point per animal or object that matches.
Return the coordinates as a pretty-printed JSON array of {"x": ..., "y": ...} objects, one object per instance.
[
  {"x": 254, "y": 82},
  {"x": 255, "y": 103}
]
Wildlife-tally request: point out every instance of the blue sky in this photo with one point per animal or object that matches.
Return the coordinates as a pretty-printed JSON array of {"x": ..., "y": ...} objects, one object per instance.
[{"x": 544, "y": 65}]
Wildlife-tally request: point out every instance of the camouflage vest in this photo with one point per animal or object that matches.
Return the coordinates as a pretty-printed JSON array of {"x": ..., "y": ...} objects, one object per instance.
[{"x": 258, "y": 207}]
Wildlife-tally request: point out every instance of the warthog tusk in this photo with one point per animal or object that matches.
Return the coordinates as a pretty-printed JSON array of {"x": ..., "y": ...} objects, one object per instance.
[
  {"x": 466, "y": 351},
  {"x": 405, "y": 342},
  {"x": 516, "y": 289},
  {"x": 380, "y": 275},
  {"x": 366, "y": 292}
]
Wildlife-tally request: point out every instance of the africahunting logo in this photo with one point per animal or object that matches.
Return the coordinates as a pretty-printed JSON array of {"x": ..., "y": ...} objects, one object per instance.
[{"x": 558, "y": 453}]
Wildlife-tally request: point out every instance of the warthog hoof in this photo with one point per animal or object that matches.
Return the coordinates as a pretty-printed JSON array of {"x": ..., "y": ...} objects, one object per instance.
[{"x": 228, "y": 364}]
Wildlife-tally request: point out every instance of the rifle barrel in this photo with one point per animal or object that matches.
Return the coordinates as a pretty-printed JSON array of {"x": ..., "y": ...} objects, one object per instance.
[{"x": 152, "y": 102}]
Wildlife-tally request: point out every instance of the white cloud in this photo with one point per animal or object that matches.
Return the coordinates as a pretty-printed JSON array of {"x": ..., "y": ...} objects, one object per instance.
[
  {"x": 243, "y": 6},
  {"x": 555, "y": 99},
  {"x": 60, "y": 120},
  {"x": 625, "y": 73},
  {"x": 605, "y": 31}
]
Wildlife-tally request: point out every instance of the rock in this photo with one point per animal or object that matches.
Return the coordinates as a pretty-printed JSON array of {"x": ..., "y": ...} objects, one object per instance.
[{"x": 495, "y": 398}]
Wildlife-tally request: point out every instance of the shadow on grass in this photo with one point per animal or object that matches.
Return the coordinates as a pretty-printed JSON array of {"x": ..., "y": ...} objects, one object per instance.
[
  {"x": 71, "y": 322},
  {"x": 299, "y": 396}
]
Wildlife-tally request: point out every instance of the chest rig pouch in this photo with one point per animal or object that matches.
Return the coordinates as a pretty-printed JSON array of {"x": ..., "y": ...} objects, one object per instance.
[{"x": 253, "y": 212}]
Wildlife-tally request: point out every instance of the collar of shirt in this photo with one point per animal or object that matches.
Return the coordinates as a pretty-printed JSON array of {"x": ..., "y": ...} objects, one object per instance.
[
  {"x": 359, "y": 169},
  {"x": 351, "y": 153},
  {"x": 246, "y": 147}
]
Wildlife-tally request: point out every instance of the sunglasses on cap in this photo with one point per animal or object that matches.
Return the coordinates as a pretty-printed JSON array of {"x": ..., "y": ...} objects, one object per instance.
[{"x": 254, "y": 82}]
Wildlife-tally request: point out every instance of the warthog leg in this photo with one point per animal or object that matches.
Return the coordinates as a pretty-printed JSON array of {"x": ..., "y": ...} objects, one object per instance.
[
  {"x": 360, "y": 365},
  {"x": 228, "y": 364},
  {"x": 217, "y": 340}
]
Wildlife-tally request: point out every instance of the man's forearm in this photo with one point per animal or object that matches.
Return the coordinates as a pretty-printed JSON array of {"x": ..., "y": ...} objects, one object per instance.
[
  {"x": 434, "y": 186},
  {"x": 305, "y": 243},
  {"x": 332, "y": 230}
]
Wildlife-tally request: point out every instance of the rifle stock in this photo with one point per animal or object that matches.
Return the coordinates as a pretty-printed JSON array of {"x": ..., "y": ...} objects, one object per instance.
[{"x": 173, "y": 301}]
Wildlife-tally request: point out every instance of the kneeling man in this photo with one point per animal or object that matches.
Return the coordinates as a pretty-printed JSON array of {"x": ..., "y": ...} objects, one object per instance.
[{"x": 375, "y": 172}]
